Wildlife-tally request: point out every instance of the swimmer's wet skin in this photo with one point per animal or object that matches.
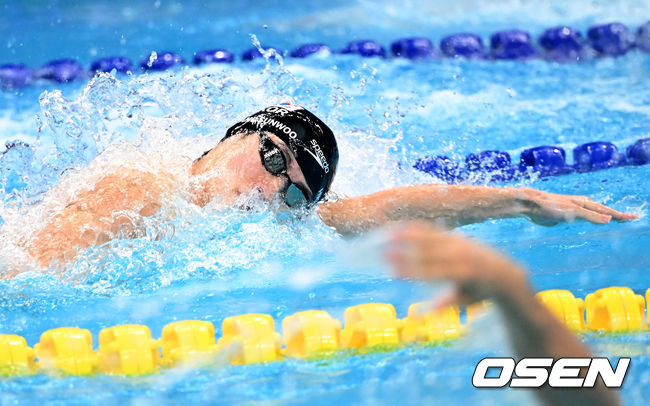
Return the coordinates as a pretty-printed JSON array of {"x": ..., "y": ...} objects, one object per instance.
[
  {"x": 285, "y": 152},
  {"x": 479, "y": 273}
]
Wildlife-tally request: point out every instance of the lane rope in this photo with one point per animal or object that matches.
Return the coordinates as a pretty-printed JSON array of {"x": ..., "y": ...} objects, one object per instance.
[
  {"x": 495, "y": 166},
  {"x": 312, "y": 334},
  {"x": 556, "y": 44}
]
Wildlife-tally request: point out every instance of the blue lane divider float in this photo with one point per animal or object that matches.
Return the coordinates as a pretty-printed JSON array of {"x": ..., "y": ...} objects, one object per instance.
[
  {"x": 544, "y": 161},
  {"x": 558, "y": 44},
  {"x": 309, "y": 49},
  {"x": 496, "y": 163},
  {"x": 213, "y": 56},
  {"x": 61, "y": 71},
  {"x": 597, "y": 155},
  {"x": 643, "y": 37},
  {"x": 162, "y": 61},
  {"x": 463, "y": 45},
  {"x": 414, "y": 48},
  {"x": 562, "y": 44},
  {"x": 119, "y": 63},
  {"x": 512, "y": 44},
  {"x": 15, "y": 76},
  {"x": 365, "y": 48},
  {"x": 611, "y": 39},
  {"x": 254, "y": 53},
  {"x": 639, "y": 152}
]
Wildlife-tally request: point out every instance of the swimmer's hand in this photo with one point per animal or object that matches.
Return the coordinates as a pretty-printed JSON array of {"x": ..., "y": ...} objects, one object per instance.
[
  {"x": 479, "y": 273},
  {"x": 549, "y": 208}
]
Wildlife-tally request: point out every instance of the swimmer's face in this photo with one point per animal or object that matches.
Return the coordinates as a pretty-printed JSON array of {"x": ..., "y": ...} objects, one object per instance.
[{"x": 247, "y": 173}]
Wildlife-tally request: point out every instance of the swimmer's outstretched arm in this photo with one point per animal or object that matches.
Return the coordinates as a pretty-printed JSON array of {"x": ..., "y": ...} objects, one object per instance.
[
  {"x": 451, "y": 206},
  {"x": 480, "y": 273}
]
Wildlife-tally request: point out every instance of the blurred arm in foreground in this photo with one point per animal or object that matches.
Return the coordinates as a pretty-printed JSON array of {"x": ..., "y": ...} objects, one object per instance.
[{"x": 478, "y": 273}]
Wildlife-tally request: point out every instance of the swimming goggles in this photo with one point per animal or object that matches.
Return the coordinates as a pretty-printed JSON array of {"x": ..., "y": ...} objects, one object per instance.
[{"x": 275, "y": 163}]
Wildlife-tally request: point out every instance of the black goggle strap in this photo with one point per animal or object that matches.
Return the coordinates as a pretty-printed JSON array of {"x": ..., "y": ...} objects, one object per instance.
[{"x": 296, "y": 143}]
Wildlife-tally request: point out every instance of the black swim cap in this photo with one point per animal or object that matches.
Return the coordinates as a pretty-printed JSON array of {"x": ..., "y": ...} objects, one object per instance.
[{"x": 311, "y": 141}]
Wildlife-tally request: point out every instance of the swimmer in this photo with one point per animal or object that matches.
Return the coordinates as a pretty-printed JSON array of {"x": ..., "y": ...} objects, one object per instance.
[
  {"x": 480, "y": 273},
  {"x": 285, "y": 153}
]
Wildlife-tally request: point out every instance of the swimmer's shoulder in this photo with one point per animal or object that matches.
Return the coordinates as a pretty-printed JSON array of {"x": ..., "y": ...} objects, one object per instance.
[{"x": 148, "y": 181}]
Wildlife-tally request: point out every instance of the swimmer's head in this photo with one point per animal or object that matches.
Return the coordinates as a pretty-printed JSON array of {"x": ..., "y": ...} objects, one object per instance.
[{"x": 309, "y": 140}]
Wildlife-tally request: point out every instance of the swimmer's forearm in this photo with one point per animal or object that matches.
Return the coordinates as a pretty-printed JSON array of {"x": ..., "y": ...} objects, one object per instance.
[
  {"x": 447, "y": 206},
  {"x": 458, "y": 205},
  {"x": 537, "y": 333}
]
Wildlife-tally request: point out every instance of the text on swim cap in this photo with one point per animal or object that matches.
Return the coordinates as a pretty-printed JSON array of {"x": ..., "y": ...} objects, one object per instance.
[
  {"x": 321, "y": 156},
  {"x": 284, "y": 108},
  {"x": 276, "y": 109},
  {"x": 261, "y": 121}
]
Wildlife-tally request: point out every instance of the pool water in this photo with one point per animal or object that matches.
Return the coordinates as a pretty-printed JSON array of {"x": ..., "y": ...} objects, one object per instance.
[{"x": 213, "y": 263}]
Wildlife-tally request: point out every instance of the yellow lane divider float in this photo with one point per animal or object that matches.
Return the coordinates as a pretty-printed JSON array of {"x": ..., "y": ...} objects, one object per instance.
[
  {"x": 370, "y": 325},
  {"x": 188, "y": 342},
  {"x": 615, "y": 309},
  {"x": 128, "y": 349},
  {"x": 16, "y": 358},
  {"x": 67, "y": 349},
  {"x": 251, "y": 338},
  {"x": 311, "y": 333},
  {"x": 566, "y": 307}
]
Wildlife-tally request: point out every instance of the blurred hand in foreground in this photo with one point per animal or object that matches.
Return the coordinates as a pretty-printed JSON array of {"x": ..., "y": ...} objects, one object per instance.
[{"x": 418, "y": 250}]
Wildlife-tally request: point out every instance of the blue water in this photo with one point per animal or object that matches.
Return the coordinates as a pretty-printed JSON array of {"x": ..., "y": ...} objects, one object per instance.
[{"x": 212, "y": 263}]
